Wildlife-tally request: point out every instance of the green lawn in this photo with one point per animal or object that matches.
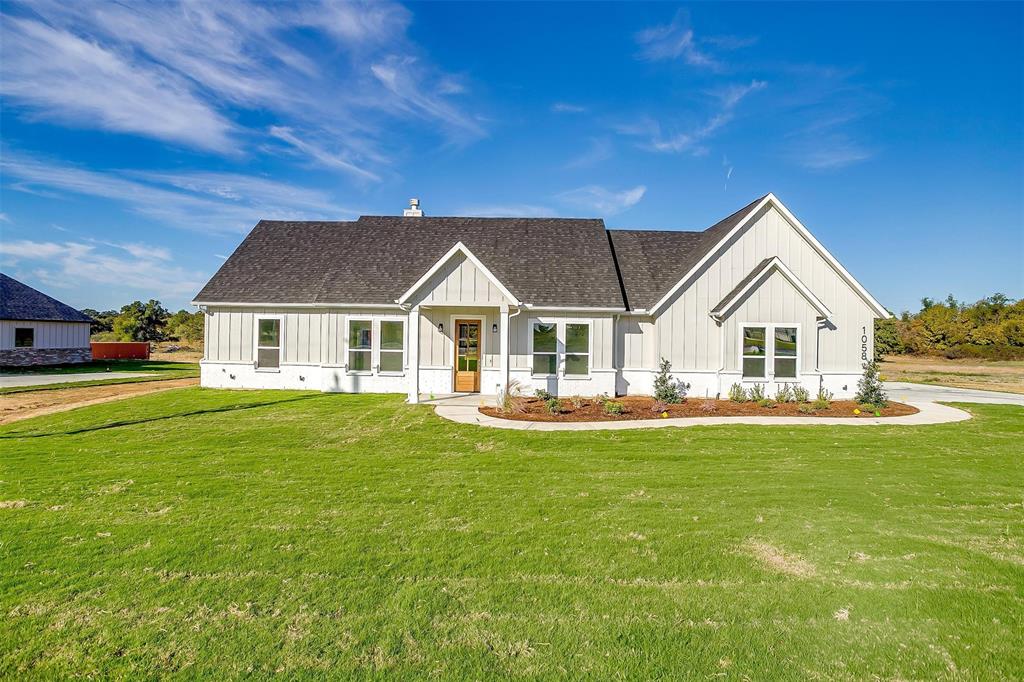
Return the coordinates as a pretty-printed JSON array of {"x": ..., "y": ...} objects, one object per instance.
[
  {"x": 160, "y": 370},
  {"x": 217, "y": 534}
]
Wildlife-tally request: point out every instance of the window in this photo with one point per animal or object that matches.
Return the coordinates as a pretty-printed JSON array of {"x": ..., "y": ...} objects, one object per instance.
[
  {"x": 567, "y": 342},
  {"x": 360, "y": 345},
  {"x": 577, "y": 348},
  {"x": 785, "y": 352},
  {"x": 268, "y": 344},
  {"x": 392, "y": 346},
  {"x": 24, "y": 337},
  {"x": 754, "y": 349},
  {"x": 545, "y": 348},
  {"x": 775, "y": 342}
]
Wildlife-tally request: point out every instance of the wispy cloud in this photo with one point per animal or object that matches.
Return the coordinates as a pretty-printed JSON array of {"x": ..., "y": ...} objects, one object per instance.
[
  {"x": 598, "y": 200},
  {"x": 67, "y": 265},
  {"x": 199, "y": 201},
  {"x": 829, "y": 151},
  {"x": 669, "y": 139},
  {"x": 567, "y": 108},
  {"x": 674, "y": 40},
  {"x": 188, "y": 72},
  {"x": 598, "y": 149}
]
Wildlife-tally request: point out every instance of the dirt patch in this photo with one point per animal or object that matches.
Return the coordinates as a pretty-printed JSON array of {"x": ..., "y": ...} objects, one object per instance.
[
  {"x": 12, "y": 504},
  {"x": 643, "y": 407},
  {"x": 1005, "y": 376},
  {"x": 17, "y": 406},
  {"x": 778, "y": 560}
]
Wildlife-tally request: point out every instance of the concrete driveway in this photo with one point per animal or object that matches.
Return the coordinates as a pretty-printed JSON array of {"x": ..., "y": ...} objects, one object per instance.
[
  {"x": 9, "y": 380},
  {"x": 904, "y": 392}
]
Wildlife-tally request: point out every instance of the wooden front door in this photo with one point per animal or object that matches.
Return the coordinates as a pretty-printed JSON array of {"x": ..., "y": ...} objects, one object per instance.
[{"x": 467, "y": 356}]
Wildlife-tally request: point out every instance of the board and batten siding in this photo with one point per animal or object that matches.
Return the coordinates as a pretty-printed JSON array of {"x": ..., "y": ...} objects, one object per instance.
[
  {"x": 47, "y": 334},
  {"x": 459, "y": 282},
  {"x": 686, "y": 335}
]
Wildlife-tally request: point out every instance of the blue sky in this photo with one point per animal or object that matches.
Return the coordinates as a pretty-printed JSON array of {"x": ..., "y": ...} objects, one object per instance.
[{"x": 141, "y": 142}]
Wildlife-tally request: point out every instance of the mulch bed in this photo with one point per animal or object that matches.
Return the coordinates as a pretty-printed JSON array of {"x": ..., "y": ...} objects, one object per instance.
[{"x": 643, "y": 407}]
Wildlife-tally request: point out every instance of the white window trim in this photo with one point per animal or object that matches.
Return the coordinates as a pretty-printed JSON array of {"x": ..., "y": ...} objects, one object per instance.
[
  {"x": 378, "y": 338},
  {"x": 560, "y": 347},
  {"x": 256, "y": 342},
  {"x": 769, "y": 351},
  {"x": 373, "y": 336}
]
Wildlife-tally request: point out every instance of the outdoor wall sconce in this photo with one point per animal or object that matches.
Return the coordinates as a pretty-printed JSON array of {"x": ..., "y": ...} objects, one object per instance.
[
  {"x": 494, "y": 328},
  {"x": 440, "y": 327}
]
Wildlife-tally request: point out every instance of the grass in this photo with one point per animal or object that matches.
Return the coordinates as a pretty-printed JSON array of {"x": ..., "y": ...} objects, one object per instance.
[
  {"x": 200, "y": 533},
  {"x": 161, "y": 370}
]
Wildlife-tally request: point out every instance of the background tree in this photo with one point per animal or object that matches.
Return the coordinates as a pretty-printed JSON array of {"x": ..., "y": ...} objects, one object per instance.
[{"x": 139, "y": 321}]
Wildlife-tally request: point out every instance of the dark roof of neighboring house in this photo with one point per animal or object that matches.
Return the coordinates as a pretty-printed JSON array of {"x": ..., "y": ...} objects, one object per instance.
[
  {"x": 653, "y": 261},
  {"x": 21, "y": 302},
  {"x": 560, "y": 262}
]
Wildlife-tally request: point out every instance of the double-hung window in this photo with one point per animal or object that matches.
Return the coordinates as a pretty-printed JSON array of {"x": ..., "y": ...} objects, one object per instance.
[
  {"x": 360, "y": 346},
  {"x": 268, "y": 343},
  {"x": 565, "y": 343},
  {"x": 769, "y": 346},
  {"x": 24, "y": 337},
  {"x": 392, "y": 346}
]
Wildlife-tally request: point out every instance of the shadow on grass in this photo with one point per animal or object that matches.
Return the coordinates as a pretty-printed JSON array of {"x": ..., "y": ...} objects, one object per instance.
[{"x": 133, "y": 422}]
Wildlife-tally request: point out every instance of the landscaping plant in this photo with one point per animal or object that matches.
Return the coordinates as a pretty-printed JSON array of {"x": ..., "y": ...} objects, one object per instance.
[
  {"x": 801, "y": 394},
  {"x": 757, "y": 393},
  {"x": 767, "y": 402},
  {"x": 738, "y": 394},
  {"x": 612, "y": 407},
  {"x": 577, "y": 401},
  {"x": 783, "y": 394},
  {"x": 869, "y": 387},
  {"x": 510, "y": 400},
  {"x": 666, "y": 389},
  {"x": 824, "y": 399},
  {"x": 554, "y": 405},
  {"x": 542, "y": 394}
]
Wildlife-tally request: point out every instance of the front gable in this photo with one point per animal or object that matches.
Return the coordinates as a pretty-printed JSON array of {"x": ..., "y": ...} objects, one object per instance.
[
  {"x": 458, "y": 278},
  {"x": 753, "y": 282}
]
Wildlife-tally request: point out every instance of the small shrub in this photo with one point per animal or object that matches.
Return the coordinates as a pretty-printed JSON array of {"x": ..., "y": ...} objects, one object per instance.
[
  {"x": 542, "y": 394},
  {"x": 659, "y": 406},
  {"x": 821, "y": 404},
  {"x": 767, "y": 402},
  {"x": 709, "y": 406},
  {"x": 601, "y": 399},
  {"x": 612, "y": 407},
  {"x": 783, "y": 394},
  {"x": 869, "y": 387},
  {"x": 738, "y": 394},
  {"x": 801, "y": 394},
  {"x": 510, "y": 400},
  {"x": 757, "y": 393},
  {"x": 805, "y": 408},
  {"x": 577, "y": 401},
  {"x": 554, "y": 405},
  {"x": 667, "y": 389},
  {"x": 825, "y": 394}
]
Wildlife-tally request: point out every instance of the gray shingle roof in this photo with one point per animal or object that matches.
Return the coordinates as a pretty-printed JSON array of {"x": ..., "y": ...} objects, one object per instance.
[
  {"x": 653, "y": 261},
  {"x": 21, "y": 302},
  {"x": 563, "y": 262},
  {"x": 542, "y": 261}
]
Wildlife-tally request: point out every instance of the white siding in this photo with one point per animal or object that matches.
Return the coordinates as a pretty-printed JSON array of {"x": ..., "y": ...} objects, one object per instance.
[
  {"x": 47, "y": 334},
  {"x": 460, "y": 282},
  {"x": 601, "y": 328},
  {"x": 685, "y": 333},
  {"x": 437, "y": 348}
]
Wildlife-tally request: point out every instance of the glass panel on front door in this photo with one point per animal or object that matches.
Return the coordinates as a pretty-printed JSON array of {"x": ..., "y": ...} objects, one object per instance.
[{"x": 467, "y": 356}]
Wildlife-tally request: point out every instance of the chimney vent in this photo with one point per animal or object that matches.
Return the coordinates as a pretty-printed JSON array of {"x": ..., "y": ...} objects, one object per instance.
[{"x": 414, "y": 209}]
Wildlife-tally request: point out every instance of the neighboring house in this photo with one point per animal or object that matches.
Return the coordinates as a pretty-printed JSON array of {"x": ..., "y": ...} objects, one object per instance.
[
  {"x": 36, "y": 329},
  {"x": 422, "y": 305}
]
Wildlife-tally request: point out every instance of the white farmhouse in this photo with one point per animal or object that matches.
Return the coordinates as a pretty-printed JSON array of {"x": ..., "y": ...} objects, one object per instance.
[{"x": 435, "y": 305}]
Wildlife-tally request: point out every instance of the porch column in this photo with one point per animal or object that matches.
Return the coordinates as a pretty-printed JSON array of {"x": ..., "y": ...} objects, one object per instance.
[
  {"x": 503, "y": 331},
  {"x": 413, "y": 372}
]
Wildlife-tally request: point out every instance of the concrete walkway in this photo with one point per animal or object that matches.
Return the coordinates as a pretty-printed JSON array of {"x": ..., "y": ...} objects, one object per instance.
[
  {"x": 464, "y": 409},
  {"x": 906, "y": 392},
  {"x": 10, "y": 380}
]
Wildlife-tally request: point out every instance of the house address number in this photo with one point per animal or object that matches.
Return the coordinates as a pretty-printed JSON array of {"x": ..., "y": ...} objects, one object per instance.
[{"x": 864, "y": 344}]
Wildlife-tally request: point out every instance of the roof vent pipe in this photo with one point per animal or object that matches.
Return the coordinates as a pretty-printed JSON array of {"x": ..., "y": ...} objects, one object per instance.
[{"x": 414, "y": 209}]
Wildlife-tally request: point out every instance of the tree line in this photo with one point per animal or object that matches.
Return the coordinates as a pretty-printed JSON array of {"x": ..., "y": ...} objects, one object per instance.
[
  {"x": 149, "y": 321},
  {"x": 992, "y": 328}
]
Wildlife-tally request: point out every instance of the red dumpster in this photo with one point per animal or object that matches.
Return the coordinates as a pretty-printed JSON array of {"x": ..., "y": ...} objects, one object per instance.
[{"x": 120, "y": 350}]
